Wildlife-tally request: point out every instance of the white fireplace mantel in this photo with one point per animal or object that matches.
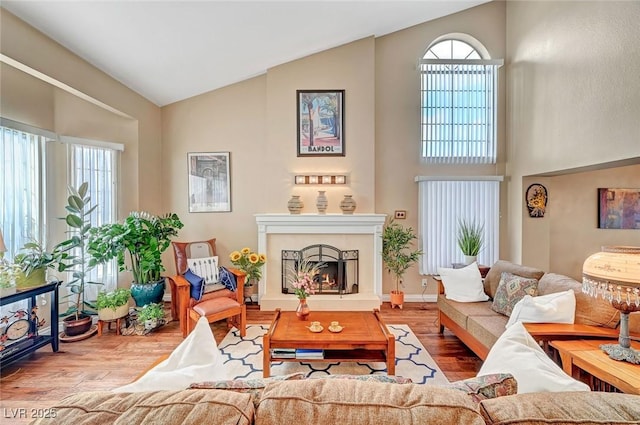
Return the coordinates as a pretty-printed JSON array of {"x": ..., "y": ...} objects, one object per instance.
[{"x": 315, "y": 225}]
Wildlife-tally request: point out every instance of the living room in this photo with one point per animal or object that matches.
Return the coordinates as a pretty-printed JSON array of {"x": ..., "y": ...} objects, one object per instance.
[{"x": 563, "y": 122}]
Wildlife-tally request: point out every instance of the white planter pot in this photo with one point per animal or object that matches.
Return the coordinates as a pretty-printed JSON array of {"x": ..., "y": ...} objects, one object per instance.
[
  {"x": 468, "y": 259},
  {"x": 110, "y": 314}
]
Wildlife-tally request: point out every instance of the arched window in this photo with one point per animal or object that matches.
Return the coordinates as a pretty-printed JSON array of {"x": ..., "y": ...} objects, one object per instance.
[{"x": 458, "y": 102}]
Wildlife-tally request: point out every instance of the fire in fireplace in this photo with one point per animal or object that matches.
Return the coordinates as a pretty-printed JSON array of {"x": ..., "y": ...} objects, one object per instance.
[{"x": 339, "y": 275}]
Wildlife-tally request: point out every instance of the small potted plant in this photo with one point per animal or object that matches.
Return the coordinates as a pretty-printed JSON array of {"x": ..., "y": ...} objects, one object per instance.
[
  {"x": 34, "y": 261},
  {"x": 151, "y": 315},
  {"x": 398, "y": 255},
  {"x": 137, "y": 244},
  {"x": 8, "y": 274},
  {"x": 113, "y": 305},
  {"x": 470, "y": 239}
]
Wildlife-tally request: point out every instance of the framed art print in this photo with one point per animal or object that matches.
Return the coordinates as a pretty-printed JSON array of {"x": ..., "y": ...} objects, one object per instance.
[
  {"x": 320, "y": 122},
  {"x": 618, "y": 208},
  {"x": 209, "y": 182}
]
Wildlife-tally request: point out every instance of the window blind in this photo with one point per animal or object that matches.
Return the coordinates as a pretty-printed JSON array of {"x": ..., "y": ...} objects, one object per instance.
[
  {"x": 442, "y": 204},
  {"x": 458, "y": 110}
]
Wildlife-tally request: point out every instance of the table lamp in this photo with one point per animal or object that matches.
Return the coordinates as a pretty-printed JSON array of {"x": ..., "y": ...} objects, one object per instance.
[{"x": 614, "y": 274}]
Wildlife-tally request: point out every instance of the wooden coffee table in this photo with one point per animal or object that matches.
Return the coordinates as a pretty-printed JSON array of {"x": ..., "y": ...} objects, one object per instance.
[
  {"x": 587, "y": 356},
  {"x": 364, "y": 338}
]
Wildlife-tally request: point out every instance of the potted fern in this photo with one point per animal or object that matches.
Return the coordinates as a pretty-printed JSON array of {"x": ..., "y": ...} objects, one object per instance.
[
  {"x": 470, "y": 239},
  {"x": 398, "y": 255}
]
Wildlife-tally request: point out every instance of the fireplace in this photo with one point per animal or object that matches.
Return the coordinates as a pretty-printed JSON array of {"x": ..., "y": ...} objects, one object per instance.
[
  {"x": 356, "y": 233},
  {"x": 338, "y": 273}
]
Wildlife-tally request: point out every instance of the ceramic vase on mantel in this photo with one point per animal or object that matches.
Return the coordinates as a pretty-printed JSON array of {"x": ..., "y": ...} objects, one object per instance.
[
  {"x": 302, "y": 311},
  {"x": 322, "y": 202},
  {"x": 295, "y": 204},
  {"x": 348, "y": 205}
]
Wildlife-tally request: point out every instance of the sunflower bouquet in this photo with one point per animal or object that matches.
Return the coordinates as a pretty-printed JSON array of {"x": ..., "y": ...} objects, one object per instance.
[{"x": 249, "y": 262}]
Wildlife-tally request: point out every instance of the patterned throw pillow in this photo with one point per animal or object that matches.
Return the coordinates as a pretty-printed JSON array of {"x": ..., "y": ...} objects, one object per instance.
[
  {"x": 196, "y": 282},
  {"x": 486, "y": 386},
  {"x": 511, "y": 289},
  {"x": 206, "y": 267},
  {"x": 387, "y": 379},
  {"x": 253, "y": 386},
  {"x": 228, "y": 279}
]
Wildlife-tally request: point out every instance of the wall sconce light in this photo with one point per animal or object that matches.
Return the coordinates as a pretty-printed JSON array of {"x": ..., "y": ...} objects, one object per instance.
[{"x": 324, "y": 179}]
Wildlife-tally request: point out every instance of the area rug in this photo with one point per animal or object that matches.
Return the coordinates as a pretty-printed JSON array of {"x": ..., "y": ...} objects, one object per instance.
[{"x": 243, "y": 359}]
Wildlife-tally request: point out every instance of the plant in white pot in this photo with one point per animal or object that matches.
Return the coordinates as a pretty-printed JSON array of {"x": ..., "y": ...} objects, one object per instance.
[
  {"x": 470, "y": 239},
  {"x": 398, "y": 255},
  {"x": 113, "y": 305},
  {"x": 151, "y": 315}
]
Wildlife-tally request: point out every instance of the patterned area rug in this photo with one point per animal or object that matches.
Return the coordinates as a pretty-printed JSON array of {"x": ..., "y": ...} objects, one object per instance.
[{"x": 243, "y": 357}]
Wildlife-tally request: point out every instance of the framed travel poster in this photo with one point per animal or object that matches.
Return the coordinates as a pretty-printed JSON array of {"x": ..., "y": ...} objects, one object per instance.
[{"x": 320, "y": 122}]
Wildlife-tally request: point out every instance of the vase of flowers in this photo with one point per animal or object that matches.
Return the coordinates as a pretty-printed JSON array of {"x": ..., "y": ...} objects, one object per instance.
[
  {"x": 251, "y": 263},
  {"x": 304, "y": 282}
]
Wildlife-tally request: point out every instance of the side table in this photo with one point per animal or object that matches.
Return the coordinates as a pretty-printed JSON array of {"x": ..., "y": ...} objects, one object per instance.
[{"x": 605, "y": 374}]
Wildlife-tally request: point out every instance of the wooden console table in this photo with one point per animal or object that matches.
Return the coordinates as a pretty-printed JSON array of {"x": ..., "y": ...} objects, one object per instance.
[
  {"x": 34, "y": 341},
  {"x": 586, "y": 355}
]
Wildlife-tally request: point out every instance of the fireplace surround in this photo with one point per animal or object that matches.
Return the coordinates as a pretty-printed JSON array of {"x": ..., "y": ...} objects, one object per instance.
[{"x": 357, "y": 232}]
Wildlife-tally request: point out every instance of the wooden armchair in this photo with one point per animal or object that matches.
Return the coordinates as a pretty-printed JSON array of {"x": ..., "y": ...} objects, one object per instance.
[{"x": 218, "y": 305}]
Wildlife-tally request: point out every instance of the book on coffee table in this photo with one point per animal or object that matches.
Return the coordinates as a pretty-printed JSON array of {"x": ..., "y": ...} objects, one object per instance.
[
  {"x": 284, "y": 353},
  {"x": 309, "y": 353}
]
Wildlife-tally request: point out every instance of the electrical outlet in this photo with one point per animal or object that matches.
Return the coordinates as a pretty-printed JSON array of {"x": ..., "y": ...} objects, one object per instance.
[
  {"x": 400, "y": 214},
  {"x": 424, "y": 282}
]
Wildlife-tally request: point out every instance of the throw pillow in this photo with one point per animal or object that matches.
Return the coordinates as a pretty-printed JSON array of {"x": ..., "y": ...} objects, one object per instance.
[
  {"x": 464, "y": 284},
  {"x": 511, "y": 289},
  {"x": 486, "y": 386},
  {"x": 228, "y": 279},
  {"x": 197, "y": 284},
  {"x": 551, "y": 308},
  {"x": 517, "y": 353},
  {"x": 206, "y": 267}
]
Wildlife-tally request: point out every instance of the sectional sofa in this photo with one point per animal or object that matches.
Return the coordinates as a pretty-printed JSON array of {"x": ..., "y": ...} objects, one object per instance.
[{"x": 479, "y": 326}]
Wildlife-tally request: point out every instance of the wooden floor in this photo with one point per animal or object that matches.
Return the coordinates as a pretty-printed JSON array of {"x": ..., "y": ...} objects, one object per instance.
[{"x": 109, "y": 361}]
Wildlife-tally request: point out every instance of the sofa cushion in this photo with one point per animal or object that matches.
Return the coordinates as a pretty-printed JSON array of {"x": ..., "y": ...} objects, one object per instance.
[
  {"x": 487, "y": 329},
  {"x": 464, "y": 284},
  {"x": 589, "y": 310},
  {"x": 344, "y": 401},
  {"x": 486, "y": 386},
  {"x": 157, "y": 407},
  {"x": 559, "y": 307},
  {"x": 517, "y": 353},
  {"x": 511, "y": 289},
  {"x": 595, "y": 408},
  {"x": 493, "y": 277}
]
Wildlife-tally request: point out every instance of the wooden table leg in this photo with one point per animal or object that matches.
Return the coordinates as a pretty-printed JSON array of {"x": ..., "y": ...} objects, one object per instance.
[
  {"x": 391, "y": 355},
  {"x": 100, "y": 324},
  {"x": 266, "y": 359}
]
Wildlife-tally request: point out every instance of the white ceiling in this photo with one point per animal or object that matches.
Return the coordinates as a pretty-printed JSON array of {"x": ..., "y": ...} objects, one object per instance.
[{"x": 171, "y": 50}]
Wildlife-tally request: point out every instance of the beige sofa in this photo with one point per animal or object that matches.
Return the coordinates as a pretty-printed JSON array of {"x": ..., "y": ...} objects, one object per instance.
[
  {"x": 342, "y": 402},
  {"x": 479, "y": 327}
]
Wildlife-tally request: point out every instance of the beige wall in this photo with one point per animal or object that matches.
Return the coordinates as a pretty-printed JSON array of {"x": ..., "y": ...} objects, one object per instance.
[
  {"x": 398, "y": 107},
  {"x": 573, "y": 91},
  {"x": 138, "y": 125},
  {"x": 255, "y": 120}
]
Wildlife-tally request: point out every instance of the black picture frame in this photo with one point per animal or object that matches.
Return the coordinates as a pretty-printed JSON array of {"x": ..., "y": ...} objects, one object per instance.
[
  {"x": 320, "y": 122},
  {"x": 209, "y": 176}
]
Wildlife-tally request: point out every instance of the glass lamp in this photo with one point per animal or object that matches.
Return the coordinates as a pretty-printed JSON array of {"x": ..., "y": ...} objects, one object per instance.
[{"x": 614, "y": 275}]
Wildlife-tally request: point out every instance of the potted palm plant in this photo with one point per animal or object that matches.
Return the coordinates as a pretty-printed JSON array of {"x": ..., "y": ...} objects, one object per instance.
[
  {"x": 470, "y": 239},
  {"x": 398, "y": 255},
  {"x": 137, "y": 244}
]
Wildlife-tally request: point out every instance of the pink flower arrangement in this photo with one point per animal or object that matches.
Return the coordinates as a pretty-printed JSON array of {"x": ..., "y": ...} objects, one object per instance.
[{"x": 304, "y": 285}]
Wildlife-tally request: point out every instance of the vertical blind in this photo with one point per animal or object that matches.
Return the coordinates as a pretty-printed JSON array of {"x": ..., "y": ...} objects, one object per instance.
[
  {"x": 98, "y": 167},
  {"x": 458, "y": 110},
  {"x": 442, "y": 204}
]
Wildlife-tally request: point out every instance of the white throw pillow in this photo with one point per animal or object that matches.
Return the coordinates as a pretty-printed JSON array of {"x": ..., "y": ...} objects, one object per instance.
[
  {"x": 463, "y": 285},
  {"x": 206, "y": 267},
  {"x": 559, "y": 307},
  {"x": 517, "y": 353}
]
